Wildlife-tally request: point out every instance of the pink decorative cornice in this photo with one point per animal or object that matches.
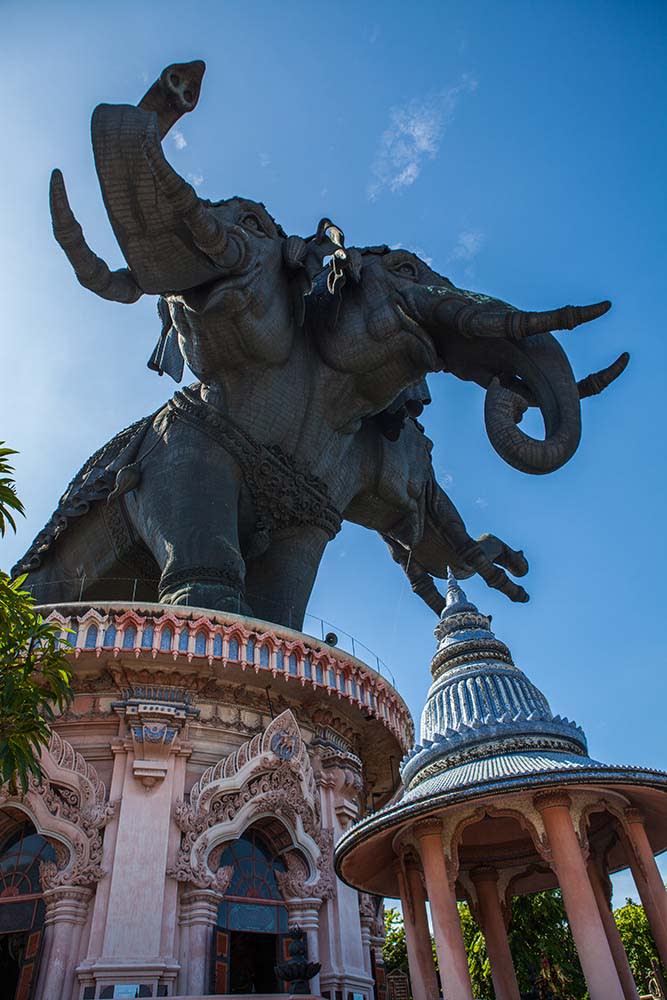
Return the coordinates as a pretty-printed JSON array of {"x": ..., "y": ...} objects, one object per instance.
[{"x": 186, "y": 636}]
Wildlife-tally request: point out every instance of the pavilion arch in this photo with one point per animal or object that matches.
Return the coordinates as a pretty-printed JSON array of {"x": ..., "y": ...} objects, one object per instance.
[{"x": 68, "y": 808}]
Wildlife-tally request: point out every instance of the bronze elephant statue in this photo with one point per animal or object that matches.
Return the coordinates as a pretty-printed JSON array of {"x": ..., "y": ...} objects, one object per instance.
[{"x": 310, "y": 359}]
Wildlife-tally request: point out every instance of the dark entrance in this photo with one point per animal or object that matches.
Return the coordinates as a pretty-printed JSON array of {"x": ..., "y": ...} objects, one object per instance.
[
  {"x": 252, "y": 958},
  {"x": 12, "y": 950}
]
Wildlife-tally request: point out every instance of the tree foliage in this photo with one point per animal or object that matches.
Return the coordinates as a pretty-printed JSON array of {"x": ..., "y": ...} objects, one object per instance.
[
  {"x": 34, "y": 671},
  {"x": 394, "y": 949},
  {"x": 638, "y": 942}
]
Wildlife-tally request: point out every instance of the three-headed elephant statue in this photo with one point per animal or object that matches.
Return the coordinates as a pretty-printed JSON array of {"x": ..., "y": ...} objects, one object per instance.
[{"x": 310, "y": 359}]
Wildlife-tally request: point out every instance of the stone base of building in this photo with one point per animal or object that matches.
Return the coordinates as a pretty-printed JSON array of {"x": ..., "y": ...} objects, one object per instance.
[{"x": 193, "y": 793}]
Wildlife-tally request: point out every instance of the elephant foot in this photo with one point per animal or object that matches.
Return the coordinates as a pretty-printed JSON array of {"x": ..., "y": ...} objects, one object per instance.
[{"x": 212, "y": 590}]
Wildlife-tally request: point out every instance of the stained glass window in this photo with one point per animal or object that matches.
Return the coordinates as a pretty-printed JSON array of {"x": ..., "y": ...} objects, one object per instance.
[
  {"x": 250, "y": 650},
  {"x": 166, "y": 639},
  {"x": 183, "y": 640},
  {"x": 292, "y": 664},
  {"x": 21, "y": 905},
  {"x": 147, "y": 637},
  {"x": 264, "y": 656},
  {"x": 130, "y": 637},
  {"x": 110, "y": 637},
  {"x": 254, "y": 868},
  {"x": 308, "y": 668},
  {"x": 319, "y": 673},
  {"x": 217, "y": 645},
  {"x": 200, "y": 644},
  {"x": 233, "y": 648},
  {"x": 91, "y": 637}
]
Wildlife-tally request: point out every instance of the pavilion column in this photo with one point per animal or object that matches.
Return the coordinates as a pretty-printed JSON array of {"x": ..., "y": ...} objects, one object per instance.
[
  {"x": 647, "y": 878},
  {"x": 452, "y": 958},
  {"x": 198, "y": 917},
  {"x": 613, "y": 937},
  {"x": 423, "y": 977},
  {"x": 66, "y": 912},
  {"x": 495, "y": 934},
  {"x": 582, "y": 910}
]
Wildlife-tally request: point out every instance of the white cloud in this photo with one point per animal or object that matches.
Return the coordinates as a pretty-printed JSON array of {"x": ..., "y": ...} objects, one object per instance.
[
  {"x": 482, "y": 502},
  {"x": 179, "y": 139},
  {"x": 195, "y": 179},
  {"x": 264, "y": 160},
  {"x": 468, "y": 245},
  {"x": 414, "y": 134}
]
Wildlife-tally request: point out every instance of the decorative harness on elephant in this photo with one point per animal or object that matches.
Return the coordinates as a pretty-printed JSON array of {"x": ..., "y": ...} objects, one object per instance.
[{"x": 284, "y": 492}]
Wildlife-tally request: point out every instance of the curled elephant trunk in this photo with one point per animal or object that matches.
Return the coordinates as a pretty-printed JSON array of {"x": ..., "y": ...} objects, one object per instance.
[
  {"x": 542, "y": 366},
  {"x": 513, "y": 355}
]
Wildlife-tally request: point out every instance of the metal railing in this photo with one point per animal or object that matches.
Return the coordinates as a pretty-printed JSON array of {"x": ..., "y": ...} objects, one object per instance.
[{"x": 135, "y": 589}]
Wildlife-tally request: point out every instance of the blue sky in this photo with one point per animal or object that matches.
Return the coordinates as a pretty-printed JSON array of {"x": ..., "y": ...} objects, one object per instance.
[{"x": 520, "y": 147}]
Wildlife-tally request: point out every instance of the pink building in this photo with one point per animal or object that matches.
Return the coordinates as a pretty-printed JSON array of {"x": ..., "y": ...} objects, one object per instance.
[{"x": 193, "y": 795}]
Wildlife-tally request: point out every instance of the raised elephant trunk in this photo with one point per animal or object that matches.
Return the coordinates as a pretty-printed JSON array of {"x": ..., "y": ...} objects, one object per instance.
[{"x": 171, "y": 239}]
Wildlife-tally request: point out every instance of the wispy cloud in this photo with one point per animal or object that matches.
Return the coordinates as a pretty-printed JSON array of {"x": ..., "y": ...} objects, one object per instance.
[
  {"x": 482, "y": 502},
  {"x": 195, "y": 179},
  {"x": 179, "y": 139},
  {"x": 414, "y": 134},
  {"x": 264, "y": 160},
  {"x": 415, "y": 250},
  {"x": 468, "y": 245}
]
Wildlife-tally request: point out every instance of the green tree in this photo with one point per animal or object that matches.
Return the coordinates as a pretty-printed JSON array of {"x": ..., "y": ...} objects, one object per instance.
[
  {"x": 34, "y": 671},
  {"x": 638, "y": 941},
  {"x": 394, "y": 950},
  {"x": 478, "y": 960},
  {"x": 542, "y": 947}
]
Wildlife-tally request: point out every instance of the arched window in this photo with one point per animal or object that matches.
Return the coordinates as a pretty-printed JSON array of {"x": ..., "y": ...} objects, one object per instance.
[
  {"x": 319, "y": 673},
  {"x": 233, "y": 648},
  {"x": 183, "y": 640},
  {"x": 342, "y": 686},
  {"x": 166, "y": 639},
  {"x": 21, "y": 901},
  {"x": 332, "y": 678},
  {"x": 280, "y": 659},
  {"x": 254, "y": 868},
  {"x": 263, "y": 656},
  {"x": 308, "y": 668},
  {"x": 130, "y": 637},
  {"x": 292, "y": 665},
  {"x": 147, "y": 637},
  {"x": 110, "y": 637},
  {"x": 73, "y": 635},
  {"x": 91, "y": 637},
  {"x": 353, "y": 685},
  {"x": 250, "y": 650},
  {"x": 200, "y": 644},
  {"x": 217, "y": 644}
]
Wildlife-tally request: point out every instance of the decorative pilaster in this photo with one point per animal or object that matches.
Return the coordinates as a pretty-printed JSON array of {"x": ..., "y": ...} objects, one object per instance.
[
  {"x": 198, "y": 917},
  {"x": 582, "y": 910},
  {"x": 66, "y": 913},
  {"x": 305, "y": 913}
]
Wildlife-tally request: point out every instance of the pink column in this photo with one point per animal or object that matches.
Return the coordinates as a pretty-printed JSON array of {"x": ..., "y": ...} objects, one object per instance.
[
  {"x": 417, "y": 935},
  {"x": 66, "y": 911},
  {"x": 611, "y": 930},
  {"x": 582, "y": 910},
  {"x": 647, "y": 878},
  {"x": 199, "y": 912},
  {"x": 452, "y": 959},
  {"x": 495, "y": 934}
]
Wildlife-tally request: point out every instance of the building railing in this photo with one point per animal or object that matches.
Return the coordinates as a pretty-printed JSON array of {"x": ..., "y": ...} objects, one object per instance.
[{"x": 136, "y": 589}]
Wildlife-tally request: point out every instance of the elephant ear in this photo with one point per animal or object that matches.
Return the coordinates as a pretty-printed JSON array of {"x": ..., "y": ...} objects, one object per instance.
[{"x": 167, "y": 357}]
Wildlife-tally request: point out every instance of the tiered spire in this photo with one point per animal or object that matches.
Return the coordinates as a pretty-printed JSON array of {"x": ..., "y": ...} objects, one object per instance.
[{"x": 480, "y": 704}]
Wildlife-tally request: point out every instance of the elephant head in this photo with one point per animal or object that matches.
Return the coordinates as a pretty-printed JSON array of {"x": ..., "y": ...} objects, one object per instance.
[
  {"x": 213, "y": 263},
  {"x": 399, "y": 312}
]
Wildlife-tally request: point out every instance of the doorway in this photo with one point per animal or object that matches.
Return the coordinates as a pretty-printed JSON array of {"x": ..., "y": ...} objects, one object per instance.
[
  {"x": 252, "y": 958},
  {"x": 12, "y": 950}
]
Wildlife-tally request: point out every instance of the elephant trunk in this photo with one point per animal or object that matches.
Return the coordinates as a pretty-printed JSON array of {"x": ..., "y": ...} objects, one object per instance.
[
  {"x": 541, "y": 365},
  {"x": 171, "y": 239}
]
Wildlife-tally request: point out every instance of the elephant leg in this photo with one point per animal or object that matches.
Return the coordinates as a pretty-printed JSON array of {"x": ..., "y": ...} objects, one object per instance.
[
  {"x": 186, "y": 509},
  {"x": 280, "y": 581}
]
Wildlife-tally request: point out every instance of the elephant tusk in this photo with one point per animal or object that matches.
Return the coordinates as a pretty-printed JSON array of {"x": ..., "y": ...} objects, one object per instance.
[
  {"x": 598, "y": 381},
  {"x": 91, "y": 271},
  {"x": 527, "y": 324},
  {"x": 227, "y": 247}
]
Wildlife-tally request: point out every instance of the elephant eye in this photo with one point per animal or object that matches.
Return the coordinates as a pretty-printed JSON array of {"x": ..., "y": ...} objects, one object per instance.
[
  {"x": 252, "y": 221},
  {"x": 406, "y": 268}
]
